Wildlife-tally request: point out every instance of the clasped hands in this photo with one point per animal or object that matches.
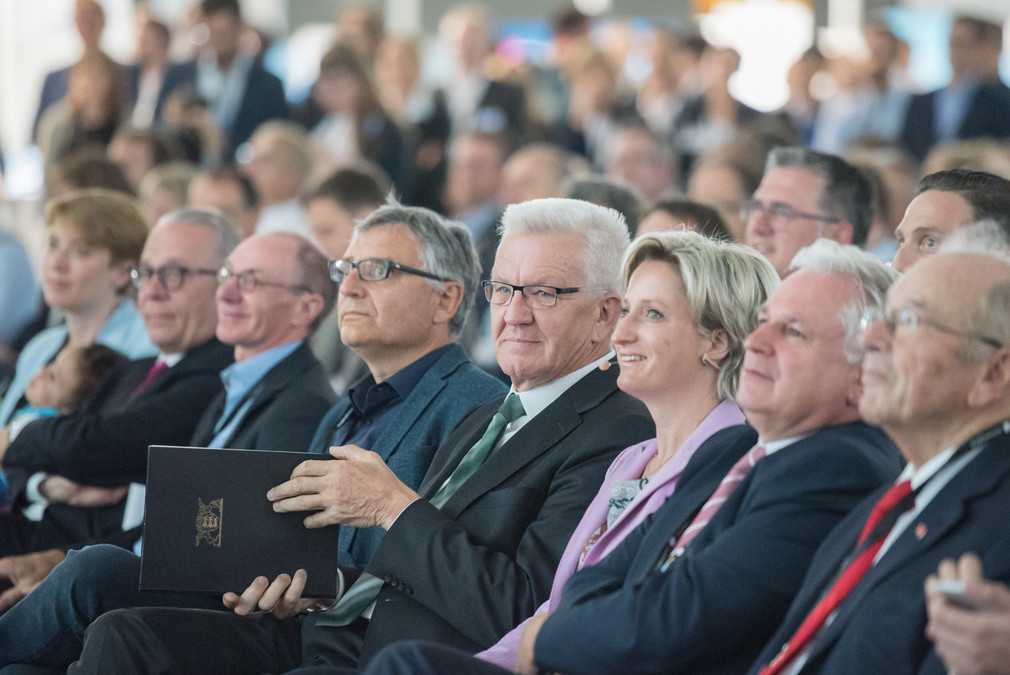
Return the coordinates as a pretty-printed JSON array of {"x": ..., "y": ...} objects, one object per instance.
[{"x": 358, "y": 490}]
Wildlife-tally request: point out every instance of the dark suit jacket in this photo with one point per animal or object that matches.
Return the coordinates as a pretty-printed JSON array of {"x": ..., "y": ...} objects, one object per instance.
[
  {"x": 450, "y": 389},
  {"x": 262, "y": 100},
  {"x": 988, "y": 116},
  {"x": 880, "y": 626},
  {"x": 713, "y": 609},
  {"x": 288, "y": 403},
  {"x": 174, "y": 75},
  {"x": 106, "y": 443},
  {"x": 466, "y": 574}
]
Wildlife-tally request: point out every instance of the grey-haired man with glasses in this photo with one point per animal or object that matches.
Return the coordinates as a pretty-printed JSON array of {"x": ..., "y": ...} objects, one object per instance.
[
  {"x": 478, "y": 542},
  {"x": 803, "y": 196}
]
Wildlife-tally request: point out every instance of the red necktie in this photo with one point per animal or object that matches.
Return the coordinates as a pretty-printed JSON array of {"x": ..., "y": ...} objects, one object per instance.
[
  {"x": 846, "y": 581},
  {"x": 148, "y": 379}
]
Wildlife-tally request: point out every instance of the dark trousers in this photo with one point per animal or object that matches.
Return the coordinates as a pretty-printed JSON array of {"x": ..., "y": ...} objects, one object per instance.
[
  {"x": 159, "y": 641},
  {"x": 426, "y": 658}
]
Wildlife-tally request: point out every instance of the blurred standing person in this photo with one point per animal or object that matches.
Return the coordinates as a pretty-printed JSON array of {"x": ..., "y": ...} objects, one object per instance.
[
  {"x": 659, "y": 99},
  {"x": 355, "y": 124},
  {"x": 593, "y": 107},
  {"x": 800, "y": 110},
  {"x": 971, "y": 106},
  {"x": 89, "y": 17},
  {"x": 93, "y": 109},
  {"x": 712, "y": 118},
  {"x": 467, "y": 101},
  {"x": 874, "y": 106},
  {"x": 149, "y": 78},
  {"x": 239, "y": 93},
  {"x": 397, "y": 80}
]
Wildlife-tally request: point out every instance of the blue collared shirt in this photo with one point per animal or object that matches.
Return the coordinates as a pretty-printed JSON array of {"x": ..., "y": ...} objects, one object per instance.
[
  {"x": 239, "y": 380},
  {"x": 373, "y": 405}
]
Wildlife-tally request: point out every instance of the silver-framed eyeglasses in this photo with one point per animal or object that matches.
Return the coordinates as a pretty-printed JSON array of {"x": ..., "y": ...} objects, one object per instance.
[
  {"x": 537, "y": 296},
  {"x": 374, "y": 269},
  {"x": 248, "y": 281},
  {"x": 782, "y": 211},
  {"x": 172, "y": 277},
  {"x": 909, "y": 320}
]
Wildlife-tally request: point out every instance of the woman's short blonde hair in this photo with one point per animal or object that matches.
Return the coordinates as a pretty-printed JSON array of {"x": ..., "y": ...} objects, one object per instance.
[
  {"x": 105, "y": 219},
  {"x": 725, "y": 284}
]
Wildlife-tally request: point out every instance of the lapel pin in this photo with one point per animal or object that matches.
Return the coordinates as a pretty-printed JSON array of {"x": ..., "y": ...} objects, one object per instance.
[{"x": 920, "y": 530}]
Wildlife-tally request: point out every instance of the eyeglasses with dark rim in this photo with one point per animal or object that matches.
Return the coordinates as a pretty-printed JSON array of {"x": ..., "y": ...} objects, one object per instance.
[
  {"x": 172, "y": 277},
  {"x": 537, "y": 296},
  {"x": 909, "y": 321},
  {"x": 375, "y": 269},
  {"x": 247, "y": 281},
  {"x": 782, "y": 211}
]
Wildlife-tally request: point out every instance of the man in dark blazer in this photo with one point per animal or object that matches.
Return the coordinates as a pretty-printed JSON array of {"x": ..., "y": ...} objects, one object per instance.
[
  {"x": 657, "y": 605},
  {"x": 981, "y": 103},
  {"x": 936, "y": 380},
  {"x": 403, "y": 433},
  {"x": 241, "y": 94},
  {"x": 463, "y": 573}
]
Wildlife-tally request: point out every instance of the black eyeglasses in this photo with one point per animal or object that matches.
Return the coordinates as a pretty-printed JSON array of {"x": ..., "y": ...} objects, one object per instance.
[
  {"x": 781, "y": 211},
  {"x": 909, "y": 320},
  {"x": 374, "y": 269},
  {"x": 248, "y": 280},
  {"x": 172, "y": 277},
  {"x": 538, "y": 297}
]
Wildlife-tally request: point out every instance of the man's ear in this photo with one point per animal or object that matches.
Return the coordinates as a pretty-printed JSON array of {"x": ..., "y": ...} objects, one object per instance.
[
  {"x": 609, "y": 309},
  {"x": 842, "y": 232},
  {"x": 308, "y": 308},
  {"x": 994, "y": 384},
  {"x": 855, "y": 388},
  {"x": 448, "y": 302}
]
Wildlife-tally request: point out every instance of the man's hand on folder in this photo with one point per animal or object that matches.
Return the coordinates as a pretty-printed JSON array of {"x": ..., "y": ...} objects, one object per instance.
[
  {"x": 360, "y": 490},
  {"x": 282, "y": 598}
]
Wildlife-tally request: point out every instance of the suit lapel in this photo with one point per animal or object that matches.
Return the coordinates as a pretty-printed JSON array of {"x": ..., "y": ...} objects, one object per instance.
[
  {"x": 422, "y": 395},
  {"x": 538, "y": 436},
  {"x": 944, "y": 513}
]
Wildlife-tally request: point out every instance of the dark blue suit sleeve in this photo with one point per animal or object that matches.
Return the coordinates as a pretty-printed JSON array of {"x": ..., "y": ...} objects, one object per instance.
[{"x": 726, "y": 594}]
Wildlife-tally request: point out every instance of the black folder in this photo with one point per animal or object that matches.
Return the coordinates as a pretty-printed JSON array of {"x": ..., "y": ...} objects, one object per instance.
[{"x": 209, "y": 527}]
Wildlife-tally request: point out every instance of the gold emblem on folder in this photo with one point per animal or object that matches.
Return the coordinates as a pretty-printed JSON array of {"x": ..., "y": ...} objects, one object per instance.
[{"x": 208, "y": 521}]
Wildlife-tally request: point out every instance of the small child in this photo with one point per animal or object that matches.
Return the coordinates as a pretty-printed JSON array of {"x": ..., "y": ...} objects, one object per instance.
[
  {"x": 65, "y": 384},
  {"x": 61, "y": 387}
]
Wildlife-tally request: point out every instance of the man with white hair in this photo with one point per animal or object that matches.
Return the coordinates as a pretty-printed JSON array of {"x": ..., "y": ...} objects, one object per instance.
[{"x": 477, "y": 545}]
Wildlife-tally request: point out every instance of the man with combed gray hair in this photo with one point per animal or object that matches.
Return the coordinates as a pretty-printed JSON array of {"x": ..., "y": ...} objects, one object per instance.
[{"x": 478, "y": 543}]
